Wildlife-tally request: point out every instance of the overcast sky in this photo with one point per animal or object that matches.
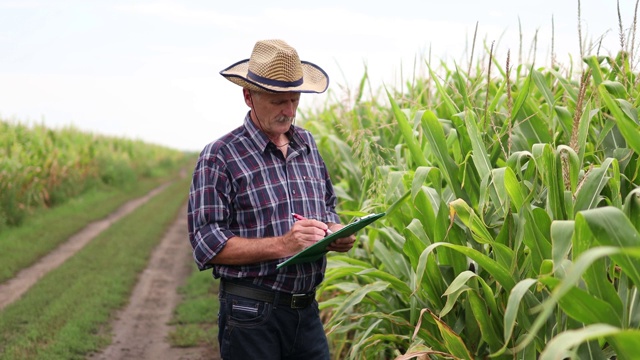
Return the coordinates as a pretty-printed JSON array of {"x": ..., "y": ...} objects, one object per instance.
[{"x": 149, "y": 70}]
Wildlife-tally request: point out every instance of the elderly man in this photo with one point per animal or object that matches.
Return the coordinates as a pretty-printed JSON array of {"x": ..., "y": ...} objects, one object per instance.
[{"x": 246, "y": 186}]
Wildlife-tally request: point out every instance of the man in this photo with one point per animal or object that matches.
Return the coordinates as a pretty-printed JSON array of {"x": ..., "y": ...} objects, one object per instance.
[{"x": 246, "y": 187}]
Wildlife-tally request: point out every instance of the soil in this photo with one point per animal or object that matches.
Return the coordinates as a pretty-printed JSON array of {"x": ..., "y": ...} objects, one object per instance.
[
  {"x": 14, "y": 288},
  {"x": 141, "y": 328}
]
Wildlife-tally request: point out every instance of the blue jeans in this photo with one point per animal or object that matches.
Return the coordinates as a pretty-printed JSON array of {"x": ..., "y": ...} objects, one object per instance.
[{"x": 253, "y": 329}]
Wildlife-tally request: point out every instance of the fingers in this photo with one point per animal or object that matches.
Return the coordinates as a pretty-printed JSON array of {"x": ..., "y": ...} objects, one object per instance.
[
  {"x": 310, "y": 228},
  {"x": 346, "y": 240},
  {"x": 307, "y": 232},
  {"x": 339, "y": 248},
  {"x": 343, "y": 244}
]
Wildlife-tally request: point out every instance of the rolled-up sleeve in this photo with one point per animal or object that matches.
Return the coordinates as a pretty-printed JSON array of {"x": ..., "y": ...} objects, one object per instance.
[{"x": 208, "y": 208}]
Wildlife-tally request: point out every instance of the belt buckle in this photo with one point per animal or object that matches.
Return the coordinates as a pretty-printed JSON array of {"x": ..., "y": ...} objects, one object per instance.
[{"x": 299, "y": 301}]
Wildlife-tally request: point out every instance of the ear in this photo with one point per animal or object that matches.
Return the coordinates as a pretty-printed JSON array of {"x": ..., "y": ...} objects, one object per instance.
[{"x": 247, "y": 97}]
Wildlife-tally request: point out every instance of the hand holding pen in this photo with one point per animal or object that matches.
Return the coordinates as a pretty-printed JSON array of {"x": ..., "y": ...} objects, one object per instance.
[
  {"x": 300, "y": 217},
  {"x": 340, "y": 245}
]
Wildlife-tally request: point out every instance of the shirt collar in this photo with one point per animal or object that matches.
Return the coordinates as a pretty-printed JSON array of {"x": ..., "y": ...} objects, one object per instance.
[{"x": 262, "y": 141}]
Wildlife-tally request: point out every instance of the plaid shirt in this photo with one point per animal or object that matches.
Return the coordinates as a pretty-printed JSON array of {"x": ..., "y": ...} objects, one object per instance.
[{"x": 243, "y": 186}]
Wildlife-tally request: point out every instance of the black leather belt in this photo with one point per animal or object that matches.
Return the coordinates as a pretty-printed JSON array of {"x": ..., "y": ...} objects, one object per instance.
[{"x": 294, "y": 301}]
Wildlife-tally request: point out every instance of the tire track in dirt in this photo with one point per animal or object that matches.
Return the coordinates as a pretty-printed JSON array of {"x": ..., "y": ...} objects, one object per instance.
[
  {"x": 15, "y": 287},
  {"x": 141, "y": 328}
]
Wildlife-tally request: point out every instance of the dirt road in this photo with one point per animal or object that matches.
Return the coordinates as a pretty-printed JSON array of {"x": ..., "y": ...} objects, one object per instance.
[
  {"x": 14, "y": 288},
  {"x": 141, "y": 328}
]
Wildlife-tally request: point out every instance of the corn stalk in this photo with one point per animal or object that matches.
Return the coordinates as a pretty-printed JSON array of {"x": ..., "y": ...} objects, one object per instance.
[{"x": 515, "y": 232}]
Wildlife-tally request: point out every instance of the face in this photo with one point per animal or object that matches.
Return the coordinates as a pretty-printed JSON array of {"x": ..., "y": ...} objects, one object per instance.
[{"x": 272, "y": 112}]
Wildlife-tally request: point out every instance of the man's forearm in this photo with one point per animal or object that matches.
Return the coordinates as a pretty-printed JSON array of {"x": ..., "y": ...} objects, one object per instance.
[{"x": 241, "y": 251}]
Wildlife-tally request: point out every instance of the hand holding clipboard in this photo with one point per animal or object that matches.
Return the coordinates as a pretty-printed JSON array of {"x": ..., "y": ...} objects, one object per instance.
[{"x": 318, "y": 249}]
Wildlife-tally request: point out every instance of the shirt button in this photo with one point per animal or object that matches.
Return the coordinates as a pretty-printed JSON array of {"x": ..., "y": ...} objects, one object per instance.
[{"x": 294, "y": 192}]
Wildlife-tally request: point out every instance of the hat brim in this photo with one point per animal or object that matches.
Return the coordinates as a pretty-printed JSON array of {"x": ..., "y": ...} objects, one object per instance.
[{"x": 315, "y": 80}]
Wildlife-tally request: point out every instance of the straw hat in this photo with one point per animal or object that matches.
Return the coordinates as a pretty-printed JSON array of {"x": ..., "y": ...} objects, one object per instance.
[{"x": 274, "y": 66}]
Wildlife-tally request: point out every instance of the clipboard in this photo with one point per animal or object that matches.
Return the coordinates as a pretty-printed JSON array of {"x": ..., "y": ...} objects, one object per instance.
[{"x": 318, "y": 249}]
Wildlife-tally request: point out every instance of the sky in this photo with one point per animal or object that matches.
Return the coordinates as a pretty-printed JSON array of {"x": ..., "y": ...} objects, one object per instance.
[{"x": 149, "y": 70}]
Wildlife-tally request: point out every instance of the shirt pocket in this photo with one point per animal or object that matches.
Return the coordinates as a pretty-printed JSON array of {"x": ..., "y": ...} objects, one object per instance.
[{"x": 310, "y": 192}]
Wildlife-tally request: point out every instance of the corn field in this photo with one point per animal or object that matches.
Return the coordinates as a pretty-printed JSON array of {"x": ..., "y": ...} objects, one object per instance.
[
  {"x": 512, "y": 200},
  {"x": 513, "y": 214},
  {"x": 42, "y": 167}
]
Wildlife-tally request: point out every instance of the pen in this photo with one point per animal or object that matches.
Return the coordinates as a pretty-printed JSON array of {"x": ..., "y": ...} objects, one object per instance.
[{"x": 300, "y": 217}]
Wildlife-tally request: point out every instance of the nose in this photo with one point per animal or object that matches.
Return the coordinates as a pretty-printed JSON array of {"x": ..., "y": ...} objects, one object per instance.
[{"x": 289, "y": 109}]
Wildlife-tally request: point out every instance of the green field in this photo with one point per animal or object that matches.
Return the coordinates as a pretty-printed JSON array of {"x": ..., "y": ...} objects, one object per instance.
[{"x": 512, "y": 227}]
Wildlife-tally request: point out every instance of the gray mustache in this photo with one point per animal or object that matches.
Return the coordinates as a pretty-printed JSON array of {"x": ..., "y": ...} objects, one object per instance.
[{"x": 284, "y": 118}]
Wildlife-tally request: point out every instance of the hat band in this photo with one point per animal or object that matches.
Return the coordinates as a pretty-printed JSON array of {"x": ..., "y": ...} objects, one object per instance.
[{"x": 278, "y": 83}]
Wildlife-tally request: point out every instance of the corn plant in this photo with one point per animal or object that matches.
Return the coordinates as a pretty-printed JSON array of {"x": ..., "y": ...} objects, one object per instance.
[
  {"x": 512, "y": 227},
  {"x": 42, "y": 167}
]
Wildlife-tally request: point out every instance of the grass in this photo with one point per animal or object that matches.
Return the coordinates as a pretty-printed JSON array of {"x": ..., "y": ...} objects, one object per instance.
[
  {"x": 195, "y": 318},
  {"x": 65, "y": 314},
  {"x": 45, "y": 229}
]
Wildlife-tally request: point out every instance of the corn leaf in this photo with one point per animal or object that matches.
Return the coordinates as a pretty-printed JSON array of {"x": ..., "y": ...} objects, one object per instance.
[
  {"x": 611, "y": 227},
  {"x": 561, "y": 238},
  {"x": 515, "y": 189},
  {"x": 523, "y": 93},
  {"x": 628, "y": 128},
  {"x": 513, "y": 304},
  {"x": 595, "y": 276},
  {"x": 625, "y": 341},
  {"x": 436, "y": 140},
  {"x": 588, "y": 197},
  {"x": 448, "y": 104},
  {"x": 632, "y": 208},
  {"x": 356, "y": 297},
  {"x": 541, "y": 84},
  {"x": 483, "y": 318},
  {"x": 596, "y": 71},
  {"x": 408, "y": 134},
  {"x": 571, "y": 279},
  {"x": 452, "y": 341},
  {"x": 584, "y": 307},
  {"x": 479, "y": 155},
  {"x": 472, "y": 221},
  {"x": 500, "y": 273},
  {"x": 551, "y": 172}
]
